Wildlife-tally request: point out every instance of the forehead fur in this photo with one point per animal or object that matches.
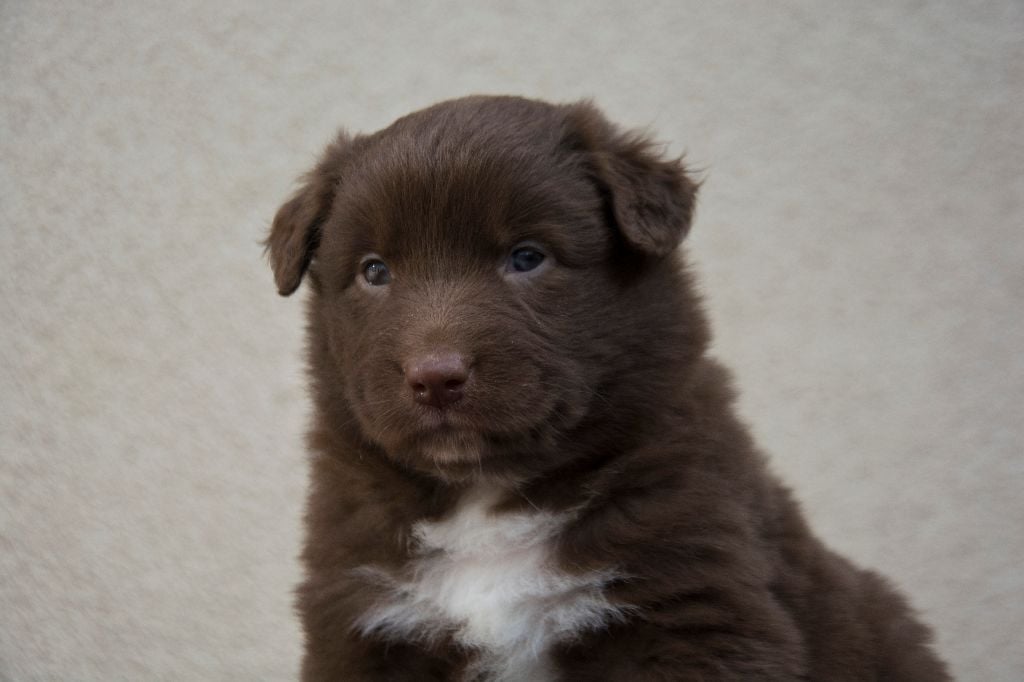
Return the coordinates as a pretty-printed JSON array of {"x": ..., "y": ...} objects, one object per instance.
[{"x": 472, "y": 174}]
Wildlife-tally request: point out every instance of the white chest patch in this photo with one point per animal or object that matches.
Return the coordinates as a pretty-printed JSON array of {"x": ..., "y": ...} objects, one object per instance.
[{"x": 488, "y": 579}]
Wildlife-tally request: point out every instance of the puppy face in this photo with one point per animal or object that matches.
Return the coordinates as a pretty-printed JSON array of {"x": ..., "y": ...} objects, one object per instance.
[{"x": 478, "y": 269}]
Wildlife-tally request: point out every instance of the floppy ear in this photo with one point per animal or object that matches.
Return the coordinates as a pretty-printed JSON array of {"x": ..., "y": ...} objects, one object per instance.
[
  {"x": 651, "y": 199},
  {"x": 295, "y": 233}
]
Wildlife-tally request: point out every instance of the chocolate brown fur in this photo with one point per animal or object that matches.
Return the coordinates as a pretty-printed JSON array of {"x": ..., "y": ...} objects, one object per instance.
[{"x": 587, "y": 392}]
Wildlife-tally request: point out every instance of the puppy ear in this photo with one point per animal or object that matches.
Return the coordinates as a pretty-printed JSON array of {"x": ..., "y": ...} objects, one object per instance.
[
  {"x": 295, "y": 233},
  {"x": 651, "y": 199}
]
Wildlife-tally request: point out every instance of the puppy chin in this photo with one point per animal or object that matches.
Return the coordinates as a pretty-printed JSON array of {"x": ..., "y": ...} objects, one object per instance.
[
  {"x": 451, "y": 448},
  {"x": 461, "y": 457},
  {"x": 448, "y": 454}
]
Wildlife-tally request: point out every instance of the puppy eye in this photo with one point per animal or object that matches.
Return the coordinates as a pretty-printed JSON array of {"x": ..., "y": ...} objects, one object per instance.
[
  {"x": 376, "y": 273},
  {"x": 525, "y": 258}
]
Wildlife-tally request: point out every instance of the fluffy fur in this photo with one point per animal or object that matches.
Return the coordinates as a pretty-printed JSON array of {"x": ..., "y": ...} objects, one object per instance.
[
  {"x": 490, "y": 581},
  {"x": 525, "y": 467}
]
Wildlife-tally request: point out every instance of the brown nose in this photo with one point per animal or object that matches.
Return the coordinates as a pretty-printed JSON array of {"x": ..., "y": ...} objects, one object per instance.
[{"x": 437, "y": 379}]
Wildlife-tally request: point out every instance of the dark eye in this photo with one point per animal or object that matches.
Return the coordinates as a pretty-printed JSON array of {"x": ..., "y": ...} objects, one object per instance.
[
  {"x": 376, "y": 273},
  {"x": 525, "y": 258}
]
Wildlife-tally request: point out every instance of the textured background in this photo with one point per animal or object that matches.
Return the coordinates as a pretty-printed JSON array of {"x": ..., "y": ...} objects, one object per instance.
[{"x": 859, "y": 236}]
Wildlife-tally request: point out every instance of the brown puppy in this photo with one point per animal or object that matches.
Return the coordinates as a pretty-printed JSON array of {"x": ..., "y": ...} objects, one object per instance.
[{"x": 524, "y": 465}]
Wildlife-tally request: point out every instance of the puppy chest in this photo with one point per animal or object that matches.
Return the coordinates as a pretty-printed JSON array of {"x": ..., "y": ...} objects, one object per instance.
[{"x": 489, "y": 580}]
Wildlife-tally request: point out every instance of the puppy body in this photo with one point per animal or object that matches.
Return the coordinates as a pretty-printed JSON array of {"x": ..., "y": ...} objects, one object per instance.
[{"x": 524, "y": 465}]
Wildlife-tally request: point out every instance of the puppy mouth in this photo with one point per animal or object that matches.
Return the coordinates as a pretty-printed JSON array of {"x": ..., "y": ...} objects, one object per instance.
[
  {"x": 450, "y": 440},
  {"x": 451, "y": 436},
  {"x": 450, "y": 446},
  {"x": 430, "y": 420},
  {"x": 484, "y": 430},
  {"x": 461, "y": 425}
]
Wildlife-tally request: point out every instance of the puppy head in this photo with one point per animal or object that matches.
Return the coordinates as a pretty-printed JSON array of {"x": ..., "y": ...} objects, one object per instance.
[{"x": 491, "y": 277}]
